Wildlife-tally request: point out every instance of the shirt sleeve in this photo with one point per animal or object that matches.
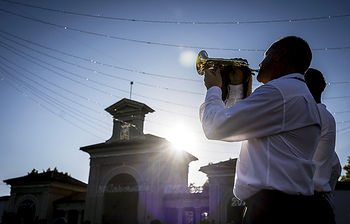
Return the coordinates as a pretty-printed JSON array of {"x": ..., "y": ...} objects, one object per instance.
[{"x": 259, "y": 115}]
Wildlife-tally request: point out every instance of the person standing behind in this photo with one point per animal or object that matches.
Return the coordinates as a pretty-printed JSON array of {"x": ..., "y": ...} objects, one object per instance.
[
  {"x": 336, "y": 173},
  {"x": 325, "y": 149},
  {"x": 279, "y": 124}
]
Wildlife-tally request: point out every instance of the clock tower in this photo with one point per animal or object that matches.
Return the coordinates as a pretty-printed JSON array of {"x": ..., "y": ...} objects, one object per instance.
[{"x": 128, "y": 118}]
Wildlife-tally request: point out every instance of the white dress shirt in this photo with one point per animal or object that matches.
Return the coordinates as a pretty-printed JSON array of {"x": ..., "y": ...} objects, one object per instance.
[
  {"x": 279, "y": 124},
  {"x": 336, "y": 172},
  {"x": 324, "y": 153}
]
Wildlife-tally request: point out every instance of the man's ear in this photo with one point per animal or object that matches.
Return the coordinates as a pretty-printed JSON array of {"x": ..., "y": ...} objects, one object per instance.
[{"x": 281, "y": 54}]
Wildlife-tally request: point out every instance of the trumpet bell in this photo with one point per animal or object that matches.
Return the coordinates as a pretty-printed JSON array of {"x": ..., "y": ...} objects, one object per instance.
[
  {"x": 204, "y": 62},
  {"x": 201, "y": 62}
]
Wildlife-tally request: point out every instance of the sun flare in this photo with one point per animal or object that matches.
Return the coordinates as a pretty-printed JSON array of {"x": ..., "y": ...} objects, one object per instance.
[
  {"x": 181, "y": 137},
  {"x": 187, "y": 58}
]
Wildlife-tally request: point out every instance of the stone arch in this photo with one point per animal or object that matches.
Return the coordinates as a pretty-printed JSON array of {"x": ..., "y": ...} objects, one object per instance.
[
  {"x": 121, "y": 200},
  {"x": 226, "y": 198},
  {"x": 28, "y": 197},
  {"x": 123, "y": 170},
  {"x": 119, "y": 170}
]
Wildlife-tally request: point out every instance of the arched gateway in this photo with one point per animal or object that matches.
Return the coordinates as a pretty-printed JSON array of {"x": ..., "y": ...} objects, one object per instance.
[{"x": 121, "y": 200}]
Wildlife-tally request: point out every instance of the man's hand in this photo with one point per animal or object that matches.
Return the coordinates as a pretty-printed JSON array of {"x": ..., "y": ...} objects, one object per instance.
[
  {"x": 212, "y": 78},
  {"x": 237, "y": 77}
]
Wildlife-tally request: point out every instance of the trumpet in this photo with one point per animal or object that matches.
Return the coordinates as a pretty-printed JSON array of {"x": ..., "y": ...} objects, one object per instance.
[{"x": 204, "y": 62}]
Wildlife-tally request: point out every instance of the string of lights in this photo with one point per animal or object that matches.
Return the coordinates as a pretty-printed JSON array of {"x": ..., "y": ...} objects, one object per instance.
[
  {"x": 96, "y": 62},
  {"x": 55, "y": 85},
  {"x": 196, "y": 108},
  {"x": 184, "y": 22},
  {"x": 46, "y": 108},
  {"x": 58, "y": 94},
  {"x": 84, "y": 78},
  {"x": 155, "y": 86},
  {"x": 335, "y": 97},
  {"x": 55, "y": 103},
  {"x": 90, "y": 100},
  {"x": 343, "y": 122},
  {"x": 60, "y": 73},
  {"x": 130, "y": 70},
  {"x": 340, "y": 130},
  {"x": 48, "y": 98},
  {"x": 341, "y": 112},
  {"x": 102, "y": 73},
  {"x": 154, "y": 43}
]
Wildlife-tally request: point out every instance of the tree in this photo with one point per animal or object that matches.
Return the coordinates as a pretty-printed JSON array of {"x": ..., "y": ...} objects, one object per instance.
[
  {"x": 34, "y": 171},
  {"x": 346, "y": 177}
]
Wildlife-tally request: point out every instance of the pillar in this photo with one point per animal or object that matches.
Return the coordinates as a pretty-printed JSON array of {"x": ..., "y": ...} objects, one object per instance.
[{"x": 179, "y": 215}]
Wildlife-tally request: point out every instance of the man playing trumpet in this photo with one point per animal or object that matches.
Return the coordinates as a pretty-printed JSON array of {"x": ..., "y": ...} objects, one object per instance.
[{"x": 279, "y": 126}]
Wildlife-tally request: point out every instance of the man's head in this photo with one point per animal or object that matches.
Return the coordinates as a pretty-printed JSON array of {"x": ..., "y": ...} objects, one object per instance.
[
  {"x": 286, "y": 55},
  {"x": 315, "y": 82}
]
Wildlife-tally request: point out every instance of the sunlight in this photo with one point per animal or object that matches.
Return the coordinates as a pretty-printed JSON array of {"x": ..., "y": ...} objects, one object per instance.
[
  {"x": 187, "y": 58},
  {"x": 181, "y": 138}
]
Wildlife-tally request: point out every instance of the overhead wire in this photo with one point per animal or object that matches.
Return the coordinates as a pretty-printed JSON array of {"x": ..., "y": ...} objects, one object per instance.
[
  {"x": 126, "y": 91},
  {"x": 128, "y": 80},
  {"x": 84, "y": 78},
  {"x": 196, "y": 108},
  {"x": 185, "y": 22},
  {"x": 68, "y": 90},
  {"x": 99, "y": 63},
  {"x": 50, "y": 110},
  {"x": 53, "y": 101},
  {"x": 150, "y": 42},
  {"x": 56, "y": 93},
  {"x": 88, "y": 99}
]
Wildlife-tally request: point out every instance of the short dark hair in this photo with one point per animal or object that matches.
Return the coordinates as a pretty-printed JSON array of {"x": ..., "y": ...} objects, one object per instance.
[
  {"x": 315, "y": 81},
  {"x": 298, "y": 50}
]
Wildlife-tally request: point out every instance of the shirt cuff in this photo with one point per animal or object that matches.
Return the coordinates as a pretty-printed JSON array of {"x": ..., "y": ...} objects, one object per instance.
[{"x": 214, "y": 90}]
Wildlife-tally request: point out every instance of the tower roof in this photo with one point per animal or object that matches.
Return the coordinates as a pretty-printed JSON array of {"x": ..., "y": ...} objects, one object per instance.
[{"x": 127, "y": 106}]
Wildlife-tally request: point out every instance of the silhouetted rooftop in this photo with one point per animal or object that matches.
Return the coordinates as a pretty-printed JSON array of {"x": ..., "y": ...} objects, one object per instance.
[
  {"x": 48, "y": 176},
  {"x": 220, "y": 166}
]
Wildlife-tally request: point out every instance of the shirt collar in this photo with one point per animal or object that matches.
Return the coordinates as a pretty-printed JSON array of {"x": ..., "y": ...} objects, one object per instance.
[{"x": 292, "y": 75}]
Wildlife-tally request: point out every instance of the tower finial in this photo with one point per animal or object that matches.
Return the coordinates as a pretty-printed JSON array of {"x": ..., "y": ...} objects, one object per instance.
[{"x": 131, "y": 83}]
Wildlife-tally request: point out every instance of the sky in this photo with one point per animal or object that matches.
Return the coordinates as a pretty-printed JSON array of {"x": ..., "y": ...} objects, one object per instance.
[{"x": 62, "y": 62}]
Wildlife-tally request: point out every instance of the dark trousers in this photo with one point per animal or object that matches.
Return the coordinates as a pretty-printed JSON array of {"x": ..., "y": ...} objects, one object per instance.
[
  {"x": 323, "y": 209},
  {"x": 275, "y": 207}
]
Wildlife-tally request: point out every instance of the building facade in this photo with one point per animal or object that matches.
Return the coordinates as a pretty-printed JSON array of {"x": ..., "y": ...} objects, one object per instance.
[
  {"x": 36, "y": 196},
  {"x": 130, "y": 172}
]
